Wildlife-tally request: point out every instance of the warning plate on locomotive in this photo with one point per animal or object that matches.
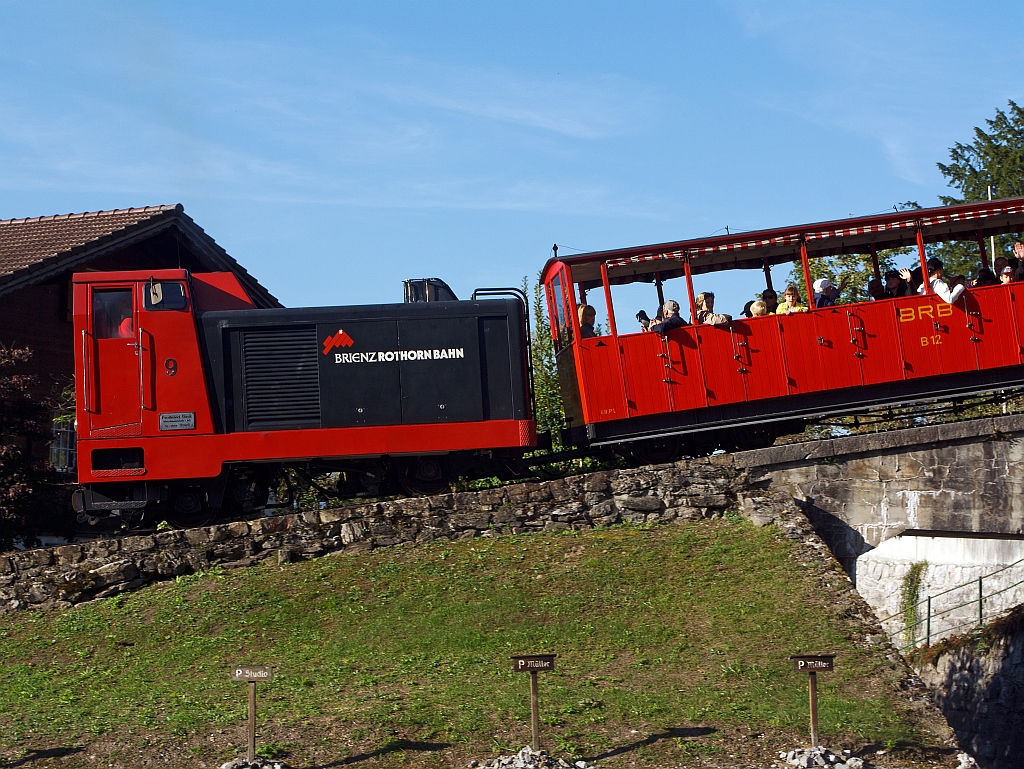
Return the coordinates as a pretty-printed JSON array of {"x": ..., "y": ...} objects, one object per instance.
[
  {"x": 178, "y": 420},
  {"x": 251, "y": 673},
  {"x": 531, "y": 663},
  {"x": 804, "y": 664}
]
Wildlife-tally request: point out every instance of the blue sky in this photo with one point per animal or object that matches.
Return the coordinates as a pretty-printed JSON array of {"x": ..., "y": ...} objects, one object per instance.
[{"x": 337, "y": 148}]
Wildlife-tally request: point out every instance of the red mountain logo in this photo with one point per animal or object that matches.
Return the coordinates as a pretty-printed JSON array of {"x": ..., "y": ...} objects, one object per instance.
[{"x": 341, "y": 339}]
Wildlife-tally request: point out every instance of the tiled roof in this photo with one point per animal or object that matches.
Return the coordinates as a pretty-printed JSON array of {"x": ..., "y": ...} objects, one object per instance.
[
  {"x": 25, "y": 242},
  {"x": 37, "y": 249}
]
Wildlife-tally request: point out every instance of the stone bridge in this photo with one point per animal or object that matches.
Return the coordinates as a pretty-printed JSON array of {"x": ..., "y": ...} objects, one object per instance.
[{"x": 861, "y": 490}]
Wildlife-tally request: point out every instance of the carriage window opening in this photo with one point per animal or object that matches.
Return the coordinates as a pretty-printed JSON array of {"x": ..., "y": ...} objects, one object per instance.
[
  {"x": 592, "y": 305},
  {"x": 164, "y": 296},
  {"x": 112, "y": 314}
]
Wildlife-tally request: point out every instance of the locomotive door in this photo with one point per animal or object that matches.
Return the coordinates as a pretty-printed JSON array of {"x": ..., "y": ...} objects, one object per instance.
[
  {"x": 560, "y": 312},
  {"x": 113, "y": 386}
]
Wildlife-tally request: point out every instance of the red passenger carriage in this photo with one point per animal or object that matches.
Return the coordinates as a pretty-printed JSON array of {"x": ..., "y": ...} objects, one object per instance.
[{"x": 741, "y": 384}]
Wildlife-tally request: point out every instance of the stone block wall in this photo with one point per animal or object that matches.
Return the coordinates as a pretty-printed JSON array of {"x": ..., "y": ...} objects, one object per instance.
[
  {"x": 860, "y": 490},
  {"x": 62, "y": 576},
  {"x": 978, "y": 684}
]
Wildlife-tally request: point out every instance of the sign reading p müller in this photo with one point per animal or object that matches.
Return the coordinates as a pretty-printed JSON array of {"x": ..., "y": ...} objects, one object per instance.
[
  {"x": 533, "y": 664},
  {"x": 812, "y": 664}
]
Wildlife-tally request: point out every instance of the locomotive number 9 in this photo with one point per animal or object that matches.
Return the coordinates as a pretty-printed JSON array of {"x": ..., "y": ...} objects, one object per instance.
[{"x": 170, "y": 367}]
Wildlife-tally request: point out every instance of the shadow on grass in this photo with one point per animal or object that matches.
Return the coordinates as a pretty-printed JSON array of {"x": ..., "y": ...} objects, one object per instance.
[
  {"x": 668, "y": 734},
  {"x": 35, "y": 755},
  {"x": 919, "y": 751},
  {"x": 396, "y": 746}
]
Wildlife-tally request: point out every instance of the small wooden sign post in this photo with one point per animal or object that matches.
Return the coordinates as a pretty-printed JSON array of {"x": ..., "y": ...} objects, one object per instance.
[
  {"x": 811, "y": 665},
  {"x": 533, "y": 664},
  {"x": 251, "y": 674}
]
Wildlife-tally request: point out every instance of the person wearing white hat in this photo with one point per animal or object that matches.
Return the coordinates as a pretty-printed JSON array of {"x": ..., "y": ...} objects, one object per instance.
[{"x": 825, "y": 294}]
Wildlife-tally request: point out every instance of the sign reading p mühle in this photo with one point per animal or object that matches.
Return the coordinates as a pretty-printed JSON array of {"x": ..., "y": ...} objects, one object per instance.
[{"x": 254, "y": 673}]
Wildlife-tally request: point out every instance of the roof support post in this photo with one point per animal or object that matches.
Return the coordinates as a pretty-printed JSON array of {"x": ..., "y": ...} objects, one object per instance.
[
  {"x": 689, "y": 288},
  {"x": 874, "y": 262},
  {"x": 982, "y": 251},
  {"x": 608, "y": 299},
  {"x": 767, "y": 275},
  {"x": 661, "y": 291},
  {"x": 807, "y": 273},
  {"x": 923, "y": 257}
]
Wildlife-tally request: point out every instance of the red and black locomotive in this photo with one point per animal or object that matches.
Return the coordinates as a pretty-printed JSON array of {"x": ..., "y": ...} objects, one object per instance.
[{"x": 192, "y": 400}]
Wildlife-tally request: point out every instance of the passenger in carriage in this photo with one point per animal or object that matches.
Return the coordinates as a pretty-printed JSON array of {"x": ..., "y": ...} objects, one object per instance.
[
  {"x": 706, "y": 311},
  {"x": 1018, "y": 268},
  {"x": 876, "y": 290},
  {"x": 1018, "y": 252},
  {"x": 588, "y": 315},
  {"x": 670, "y": 318},
  {"x": 791, "y": 302},
  {"x": 1007, "y": 275},
  {"x": 825, "y": 294},
  {"x": 985, "y": 278},
  {"x": 770, "y": 299},
  {"x": 939, "y": 287},
  {"x": 999, "y": 265},
  {"x": 895, "y": 286},
  {"x": 758, "y": 308}
]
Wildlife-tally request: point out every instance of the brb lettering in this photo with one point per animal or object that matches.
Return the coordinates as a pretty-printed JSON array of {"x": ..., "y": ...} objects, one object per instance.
[{"x": 929, "y": 311}]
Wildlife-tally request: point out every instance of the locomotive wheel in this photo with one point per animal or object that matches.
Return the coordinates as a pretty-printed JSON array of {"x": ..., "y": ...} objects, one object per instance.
[
  {"x": 189, "y": 510},
  {"x": 425, "y": 477},
  {"x": 752, "y": 437},
  {"x": 658, "y": 451}
]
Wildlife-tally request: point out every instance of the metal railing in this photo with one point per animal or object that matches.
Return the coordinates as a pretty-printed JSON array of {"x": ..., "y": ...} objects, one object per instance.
[
  {"x": 965, "y": 606},
  {"x": 63, "y": 453}
]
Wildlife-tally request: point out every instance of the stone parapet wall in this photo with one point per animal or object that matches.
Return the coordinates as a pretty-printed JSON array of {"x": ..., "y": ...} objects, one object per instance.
[{"x": 63, "y": 576}]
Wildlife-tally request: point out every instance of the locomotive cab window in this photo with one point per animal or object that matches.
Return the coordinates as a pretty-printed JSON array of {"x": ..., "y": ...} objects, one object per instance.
[
  {"x": 112, "y": 313},
  {"x": 165, "y": 295}
]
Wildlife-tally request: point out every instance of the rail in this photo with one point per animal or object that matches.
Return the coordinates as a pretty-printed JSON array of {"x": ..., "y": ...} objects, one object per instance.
[{"x": 938, "y": 620}]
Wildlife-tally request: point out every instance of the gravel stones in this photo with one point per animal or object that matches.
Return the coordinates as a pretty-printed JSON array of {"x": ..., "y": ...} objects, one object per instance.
[
  {"x": 528, "y": 758},
  {"x": 819, "y": 756},
  {"x": 259, "y": 763}
]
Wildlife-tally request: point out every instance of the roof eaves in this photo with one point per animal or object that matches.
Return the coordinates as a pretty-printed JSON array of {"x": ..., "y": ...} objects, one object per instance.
[{"x": 51, "y": 265}]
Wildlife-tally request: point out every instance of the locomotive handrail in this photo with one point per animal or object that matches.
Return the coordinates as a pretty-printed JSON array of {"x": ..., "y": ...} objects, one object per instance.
[
  {"x": 85, "y": 373},
  {"x": 142, "y": 368},
  {"x": 519, "y": 294}
]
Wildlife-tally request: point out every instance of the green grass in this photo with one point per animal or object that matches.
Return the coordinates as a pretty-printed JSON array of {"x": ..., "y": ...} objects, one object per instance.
[{"x": 673, "y": 643}]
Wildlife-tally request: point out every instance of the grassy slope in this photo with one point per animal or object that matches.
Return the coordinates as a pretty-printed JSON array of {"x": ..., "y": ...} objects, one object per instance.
[{"x": 673, "y": 646}]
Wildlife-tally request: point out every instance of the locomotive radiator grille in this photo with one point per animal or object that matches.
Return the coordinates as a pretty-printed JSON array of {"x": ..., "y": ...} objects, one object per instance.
[{"x": 281, "y": 380}]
